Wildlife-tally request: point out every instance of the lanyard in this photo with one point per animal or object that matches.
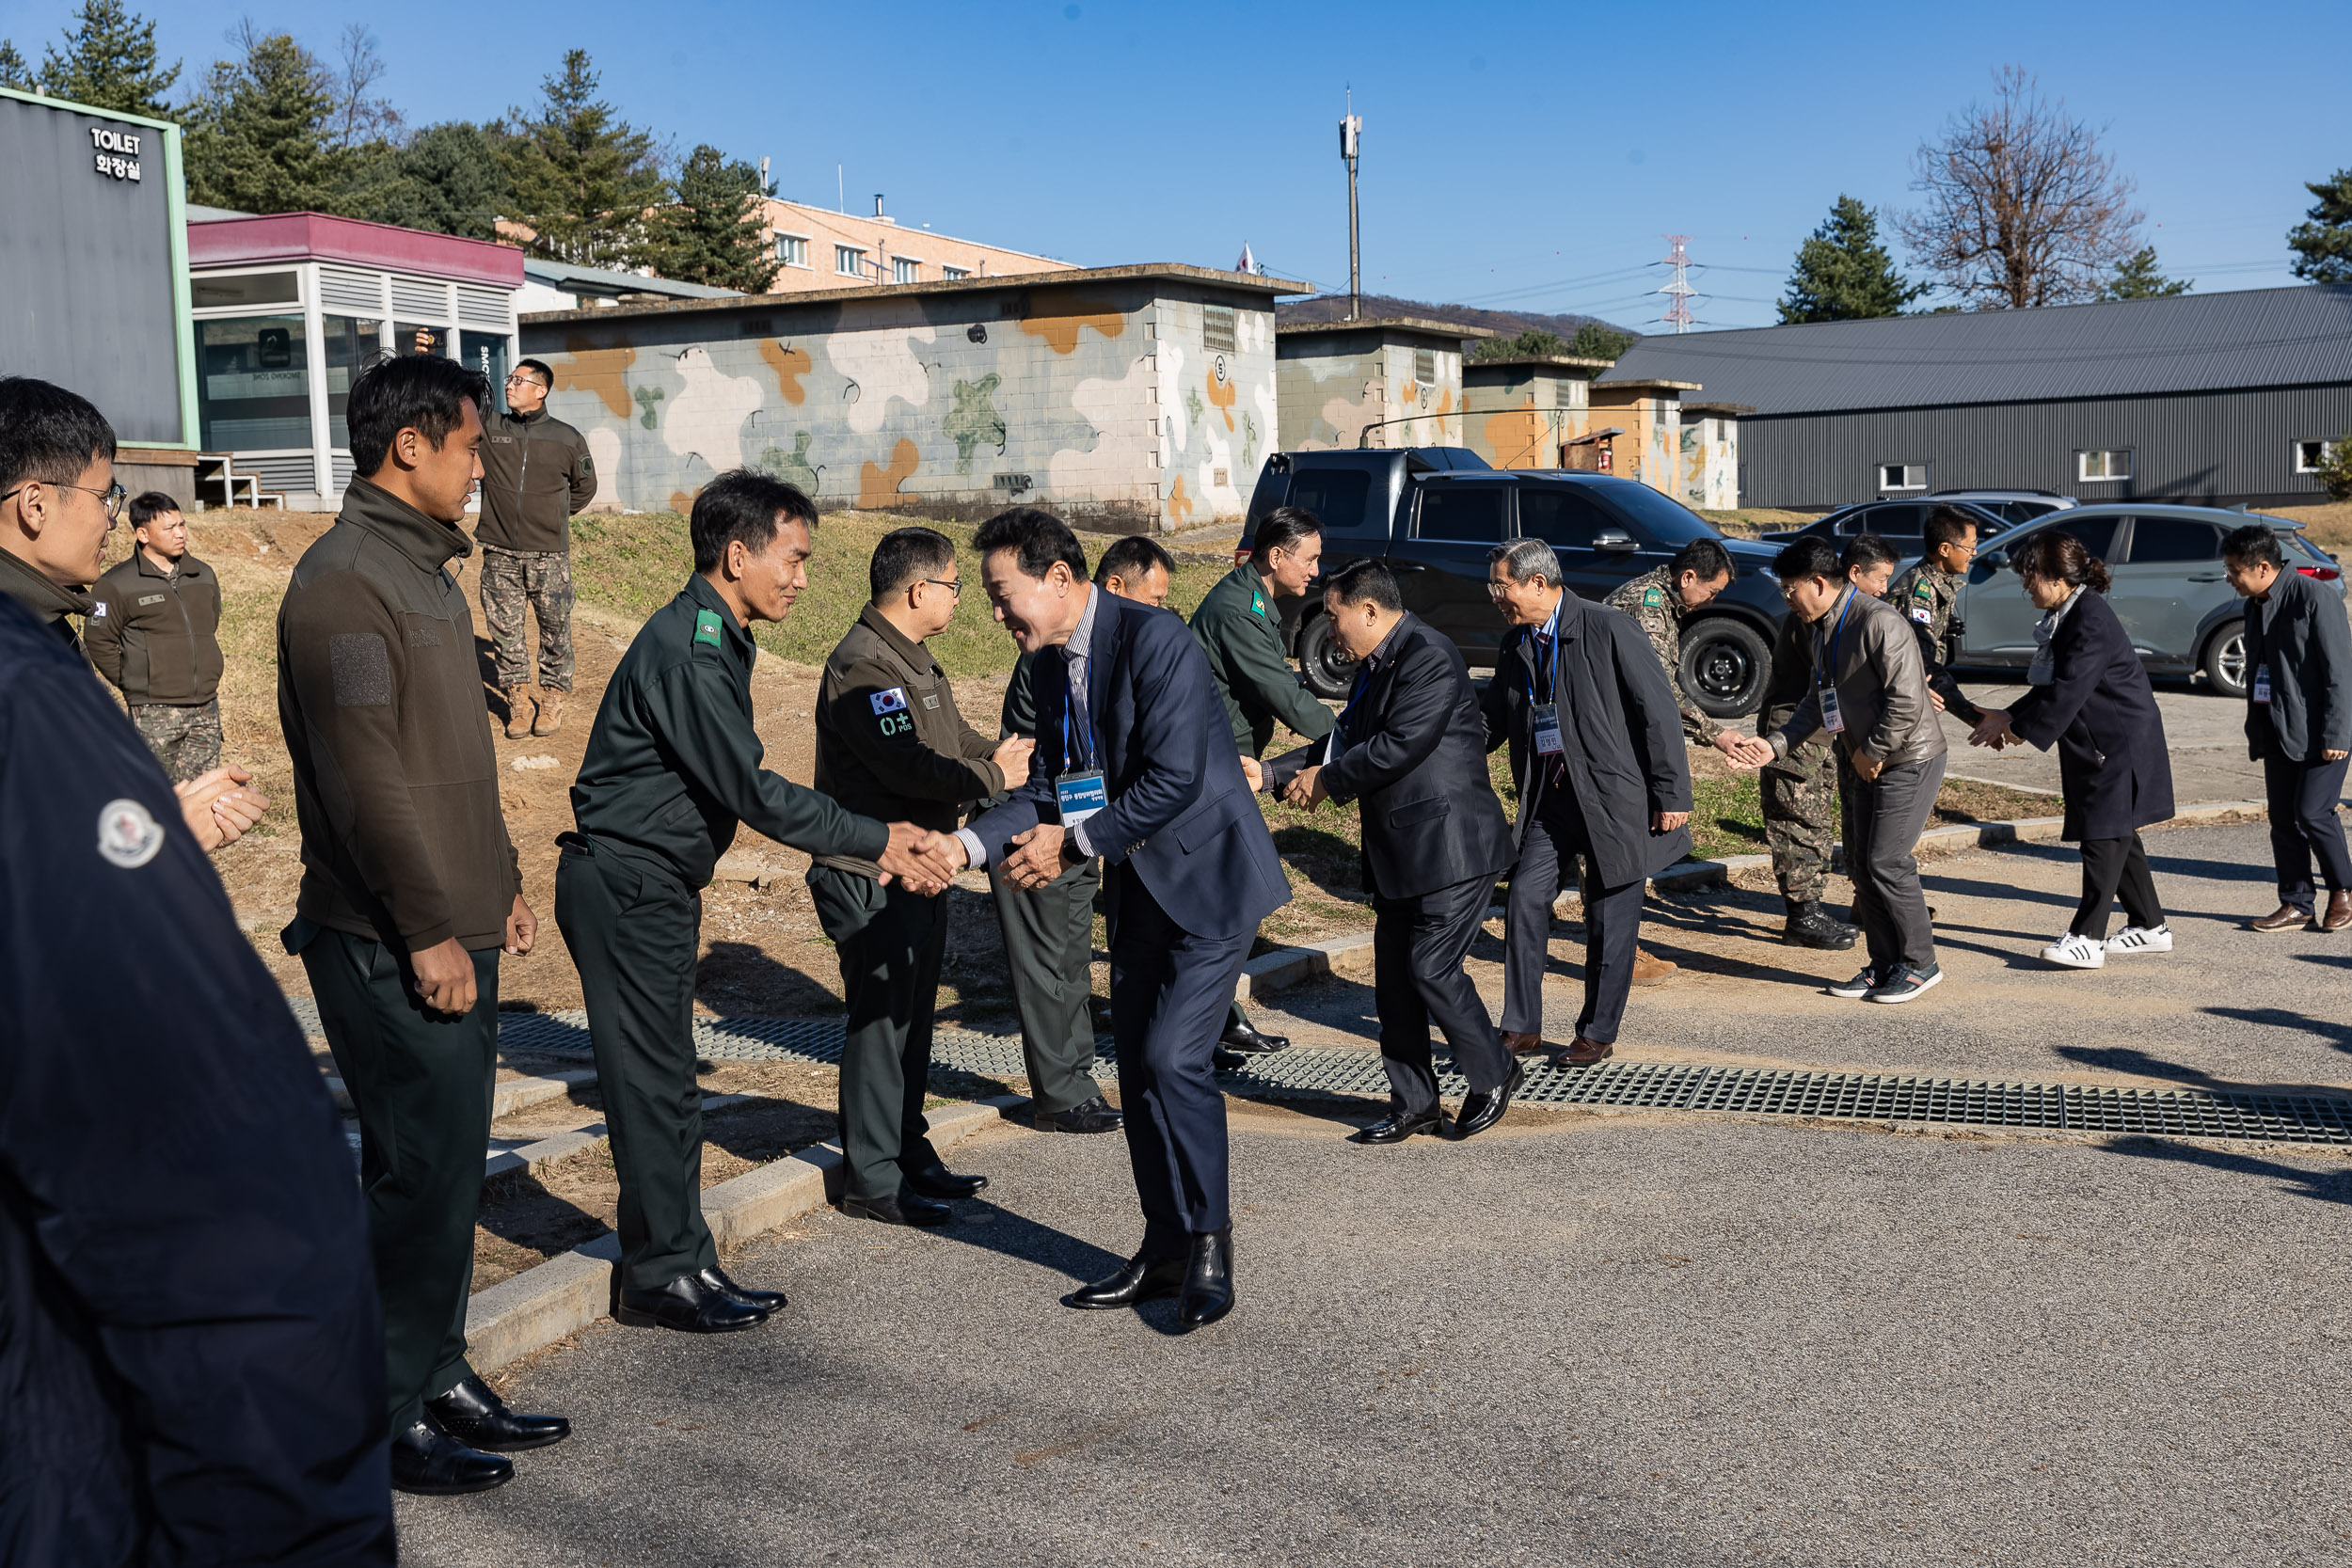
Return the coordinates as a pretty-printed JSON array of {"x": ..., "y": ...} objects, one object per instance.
[
  {"x": 1553, "y": 633},
  {"x": 1092, "y": 752},
  {"x": 1828, "y": 676}
]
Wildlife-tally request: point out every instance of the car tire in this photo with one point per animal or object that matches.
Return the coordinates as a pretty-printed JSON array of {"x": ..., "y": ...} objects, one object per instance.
[
  {"x": 2224, "y": 661},
  {"x": 1724, "y": 666},
  {"x": 1322, "y": 662}
]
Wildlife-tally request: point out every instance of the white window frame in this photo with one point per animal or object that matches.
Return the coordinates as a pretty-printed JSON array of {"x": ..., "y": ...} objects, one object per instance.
[
  {"x": 953, "y": 275},
  {"x": 906, "y": 269},
  {"x": 848, "y": 261},
  {"x": 2295, "y": 450},
  {"x": 2107, "y": 458},
  {"x": 1903, "y": 483},
  {"x": 784, "y": 258}
]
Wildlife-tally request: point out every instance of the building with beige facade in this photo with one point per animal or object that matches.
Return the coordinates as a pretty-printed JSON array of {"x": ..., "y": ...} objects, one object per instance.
[{"x": 817, "y": 249}]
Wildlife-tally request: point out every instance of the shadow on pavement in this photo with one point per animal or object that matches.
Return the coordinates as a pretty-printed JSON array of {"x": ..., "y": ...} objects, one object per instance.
[
  {"x": 2124, "y": 1058},
  {"x": 2337, "y": 1035},
  {"x": 995, "y": 1229},
  {"x": 2213, "y": 871},
  {"x": 2329, "y": 1186}
]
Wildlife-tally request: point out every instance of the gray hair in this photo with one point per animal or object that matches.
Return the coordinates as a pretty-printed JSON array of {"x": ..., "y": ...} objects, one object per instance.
[{"x": 1527, "y": 558}]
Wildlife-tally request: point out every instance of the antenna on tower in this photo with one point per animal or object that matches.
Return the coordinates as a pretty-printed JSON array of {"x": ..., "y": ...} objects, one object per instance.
[{"x": 1678, "y": 313}]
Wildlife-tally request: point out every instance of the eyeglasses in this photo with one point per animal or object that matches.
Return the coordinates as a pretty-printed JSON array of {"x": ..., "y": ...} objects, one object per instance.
[
  {"x": 524, "y": 378},
  {"x": 953, "y": 585},
  {"x": 113, "y": 495}
]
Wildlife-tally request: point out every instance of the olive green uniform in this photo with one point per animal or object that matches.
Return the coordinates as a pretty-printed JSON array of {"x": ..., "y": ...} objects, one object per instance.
[
  {"x": 890, "y": 740},
  {"x": 536, "y": 471},
  {"x": 1800, "y": 791},
  {"x": 1926, "y": 594},
  {"x": 155, "y": 633},
  {"x": 1654, "y": 605},
  {"x": 672, "y": 766}
]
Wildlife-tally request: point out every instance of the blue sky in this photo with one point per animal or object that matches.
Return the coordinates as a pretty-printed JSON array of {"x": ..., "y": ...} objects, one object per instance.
[{"x": 1529, "y": 156}]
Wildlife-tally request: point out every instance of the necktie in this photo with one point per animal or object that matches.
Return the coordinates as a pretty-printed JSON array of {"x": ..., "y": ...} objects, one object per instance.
[{"x": 1542, "y": 659}]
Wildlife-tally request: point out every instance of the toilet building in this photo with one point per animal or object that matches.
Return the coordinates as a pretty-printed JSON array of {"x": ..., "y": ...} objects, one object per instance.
[
  {"x": 1528, "y": 411},
  {"x": 1393, "y": 381}
]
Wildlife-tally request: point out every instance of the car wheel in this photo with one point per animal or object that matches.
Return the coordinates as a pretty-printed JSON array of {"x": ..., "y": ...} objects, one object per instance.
[
  {"x": 1325, "y": 664},
  {"x": 2225, "y": 660},
  {"x": 1724, "y": 665}
]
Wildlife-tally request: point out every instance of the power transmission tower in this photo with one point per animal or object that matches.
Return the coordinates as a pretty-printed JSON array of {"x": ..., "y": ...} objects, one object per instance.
[{"x": 1678, "y": 313}]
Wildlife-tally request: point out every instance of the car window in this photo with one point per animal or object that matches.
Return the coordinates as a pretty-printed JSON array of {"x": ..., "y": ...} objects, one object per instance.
[
  {"x": 1466, "y": 511},
  {"x": 2094, "y": 534},
  {"x": 1338, "y": 497},
  {"x": 1900, "y": 522},
  {"x": 2156, "y": 539},
  {"x": 1666, "y": 520},
  {"x": 1560, "y": 515}
]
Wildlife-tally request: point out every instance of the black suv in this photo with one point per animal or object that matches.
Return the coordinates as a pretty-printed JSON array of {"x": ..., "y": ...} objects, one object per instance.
[{"x": 1433, "y": 513}]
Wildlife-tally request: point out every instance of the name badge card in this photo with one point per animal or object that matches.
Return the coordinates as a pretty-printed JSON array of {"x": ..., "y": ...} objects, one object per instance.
[
  {"x": 1832, "y": 718},
  {"x": 2261, "y": 683},
  {"x": 1081, "y": 794},
  {"x": 1546, "y": 719}
]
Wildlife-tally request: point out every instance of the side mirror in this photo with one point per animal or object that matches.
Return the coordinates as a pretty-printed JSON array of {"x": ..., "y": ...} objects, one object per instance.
[
  {"x": 1997, "y": 560},
  {"x": 1614, "y": 539}
]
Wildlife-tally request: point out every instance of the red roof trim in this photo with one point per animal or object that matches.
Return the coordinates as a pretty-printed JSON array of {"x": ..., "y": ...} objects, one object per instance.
[{"x": 315, "y": 236}]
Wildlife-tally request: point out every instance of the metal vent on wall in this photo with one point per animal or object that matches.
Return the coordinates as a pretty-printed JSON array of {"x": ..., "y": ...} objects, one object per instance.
[
  {"x": 281, "y": 474},
  {"x": 481, "y": 305},
  {"x": 413, "y": 297},
  {"x": 341, "y": 289}
]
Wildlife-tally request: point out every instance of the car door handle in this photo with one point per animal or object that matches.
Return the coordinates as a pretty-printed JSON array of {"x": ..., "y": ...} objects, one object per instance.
[{"x": 2202, "y": 577}]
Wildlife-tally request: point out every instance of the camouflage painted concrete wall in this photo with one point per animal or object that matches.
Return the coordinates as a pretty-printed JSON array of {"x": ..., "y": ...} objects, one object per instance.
[
  {"x": 1099, "y": 397},
  {"x": 1522, "y": 411},
  {"x": 1331, "y": 383},
  {"x": 1710, "y": 461},
  {"x": 1651, "y": 448}
]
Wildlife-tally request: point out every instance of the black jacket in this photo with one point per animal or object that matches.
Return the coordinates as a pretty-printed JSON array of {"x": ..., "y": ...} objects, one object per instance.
[
  {"x": 189, "y": 1341},
  {"x": 158, "y": 635},
  {"x": 2101, "y": 713},
  {"x": 1413, "y": 751},
  {"x": 2301, "y": 634},
  {"x": 535, "y": 473},
  {"x": 1619, "y": 728}
]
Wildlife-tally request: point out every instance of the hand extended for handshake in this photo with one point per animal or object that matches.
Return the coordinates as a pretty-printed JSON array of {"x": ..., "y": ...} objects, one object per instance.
[
  {"x": 1992, "y": 730},
  {"x": 923, "y": 861}
]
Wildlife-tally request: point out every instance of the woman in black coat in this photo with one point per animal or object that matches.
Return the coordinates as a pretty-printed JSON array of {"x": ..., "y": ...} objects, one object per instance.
[{"x": 2089, "y": 695}]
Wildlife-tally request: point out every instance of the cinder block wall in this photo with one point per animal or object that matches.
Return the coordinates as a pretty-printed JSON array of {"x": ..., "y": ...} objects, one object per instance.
[{"x": 1331, "y": 384}]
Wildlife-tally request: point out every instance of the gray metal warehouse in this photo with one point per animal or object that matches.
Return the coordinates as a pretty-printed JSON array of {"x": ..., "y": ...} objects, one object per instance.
[{"x": 2220, "y": 398}]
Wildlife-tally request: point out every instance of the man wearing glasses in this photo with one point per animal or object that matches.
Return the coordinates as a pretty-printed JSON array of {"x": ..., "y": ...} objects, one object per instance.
[{"x": 536, "y": 474}]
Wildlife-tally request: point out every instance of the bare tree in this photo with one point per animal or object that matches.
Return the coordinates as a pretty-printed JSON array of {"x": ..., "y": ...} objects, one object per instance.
[
  {"x": 358, "y": 117},
  {"x": 2022, "y": 207}
]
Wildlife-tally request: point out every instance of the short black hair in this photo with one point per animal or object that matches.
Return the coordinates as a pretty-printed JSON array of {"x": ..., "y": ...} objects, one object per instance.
[
  {"x": 1365, "y": 579},
  {"x": 1707, "y": 557},
  {"x": 541, "y": 365},
  {"x": 150, "y": 505},
  {"x": 423, "y": 392},
  {"x": 746, "y": 505},
  {"x": 1038, "y": 539},
  {"x": 47, "y": 435},
  {"x": 906, "y": 554},
  {"x": 1285, "y": 527},
  {"x": 1945, "y": 525},
  {"x": 1809, "y": 557},
  {"x": 1132, "y": 558},
  {"x": 1866, "y": 550},
  {"x": 2253, "y": 545}
]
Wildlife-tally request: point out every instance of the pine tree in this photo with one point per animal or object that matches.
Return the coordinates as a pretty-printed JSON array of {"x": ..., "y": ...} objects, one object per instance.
[
  {"x": 1843, "y": 274},
  {"x": 110, "y": 63},
  {"x": 2322, "y": 246},
  {"x": 710, "y": 232},
  {"x": 2136, "y": 277},
  {"x": 14, "y": 73},
  {"x": 1533, "y": 341},
  {"x": 448, "y": 179},
  {"x": 1595, "y": 340},
  {"x": 582, "y": 179},
  {"x": 258, "y": 132}
]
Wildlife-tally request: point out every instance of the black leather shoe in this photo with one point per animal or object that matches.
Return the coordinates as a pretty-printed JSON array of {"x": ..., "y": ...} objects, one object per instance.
[
  {"x": 904, "y": 1207},
  {"x": 1092, "y": 1116},
  {"x": 937, "y": 1180},
  {"x": 474, "y": 1415},
  {"x": 716, "y": 1277},
  {"x": 1481, "y": 1111},
  {"x": 429, "y": 1463},
  {"x": 687, "y": 1303},
  {"x": 1140, "y": 1279},
  {"x": 1208, "y": 1279},
  {"x": 1243, "y": 1040},
  {"x": 1396, "y": 1127}
]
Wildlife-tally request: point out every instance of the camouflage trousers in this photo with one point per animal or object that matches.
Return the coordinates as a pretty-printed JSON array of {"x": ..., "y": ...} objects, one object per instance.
[
  {"x": 542, "y": 580},
  {"x": 186, "y": 740},
  {"x": 1800, "y": 818}
]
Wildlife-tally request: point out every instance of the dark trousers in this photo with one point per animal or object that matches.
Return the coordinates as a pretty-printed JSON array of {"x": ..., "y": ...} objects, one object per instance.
[
  {"x": 1554, "y": 836},
  {"x": 2303, "y": 823},
  {"x": 1169, "y": 994},
  {"x": 1049, "y": 957},
  {"x": 1883, "y": 818},
  {"x": 420, "y": 1083},
  {"x": 2113, "y": 865},
  {"x": 890, "y": 942},
  {"x": 635, "y": 934},
  {"x": 1417, "y": 946}
]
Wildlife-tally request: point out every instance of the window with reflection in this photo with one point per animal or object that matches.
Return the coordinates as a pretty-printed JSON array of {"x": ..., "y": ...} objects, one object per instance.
[
  {"x": 253, "y": 384},
  {"x": 348, "y": 342}
]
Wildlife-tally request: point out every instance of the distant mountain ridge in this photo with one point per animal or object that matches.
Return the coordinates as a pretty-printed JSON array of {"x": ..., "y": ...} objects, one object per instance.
[{"x": 1509, "y": 324}]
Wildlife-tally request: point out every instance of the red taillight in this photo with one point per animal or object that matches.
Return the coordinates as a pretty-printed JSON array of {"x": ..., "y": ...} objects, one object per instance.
[
  {"x": 1241, "y": 555},
  {"x": 2325, "y": 574}
]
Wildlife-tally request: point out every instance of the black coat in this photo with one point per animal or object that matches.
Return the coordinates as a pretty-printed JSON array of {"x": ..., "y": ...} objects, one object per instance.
[
  {"x": 1414, "y": 754},
  {"x": 2101, "y": 713},
  {"x": 2301, "y": 634},
  {"x": 1620, "y": 732}
]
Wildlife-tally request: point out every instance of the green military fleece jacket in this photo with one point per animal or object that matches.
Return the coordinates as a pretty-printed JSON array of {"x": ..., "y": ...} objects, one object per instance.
[
  {"x": 1241, "y": 631},
  {"x": 156, "y": 634},
  {"x": 380, "y": 694},
  {"x": 889, "y": 739},
  {"x": 45, "y": 601},
  {"x": 673, "y": 764},
  {"x": 535, "y": 473}
]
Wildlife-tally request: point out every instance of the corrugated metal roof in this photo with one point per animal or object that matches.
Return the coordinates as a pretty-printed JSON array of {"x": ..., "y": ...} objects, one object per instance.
[{"x": 2190, "y": 343}]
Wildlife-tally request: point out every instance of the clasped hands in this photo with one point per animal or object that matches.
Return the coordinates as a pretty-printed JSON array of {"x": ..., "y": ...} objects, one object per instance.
[
  {"x": 923, "y": 861},
  {"x": 1992, "y": 730}
]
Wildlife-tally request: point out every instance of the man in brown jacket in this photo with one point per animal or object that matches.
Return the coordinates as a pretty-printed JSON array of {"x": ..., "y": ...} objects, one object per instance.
[
  {"x": 155, "y": 632},
  {"x": 535, "y": 473},
  {"x": 410, "y": 889}
]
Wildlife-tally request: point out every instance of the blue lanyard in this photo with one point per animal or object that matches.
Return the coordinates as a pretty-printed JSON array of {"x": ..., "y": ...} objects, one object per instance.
[
  {"x": 1092, "y": 752},
  {"x": 1828, "y": 676},
  {"x": 1354, "y": 696},
  {"x": 1554, "y": 634}
]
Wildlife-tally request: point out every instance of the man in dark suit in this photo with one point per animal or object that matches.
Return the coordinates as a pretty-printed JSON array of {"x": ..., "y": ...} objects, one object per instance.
[
  {"x": 1596, "y": 747},
  {"x": 1135, "y": 763},
  {"x": 1412, "y": 747}
]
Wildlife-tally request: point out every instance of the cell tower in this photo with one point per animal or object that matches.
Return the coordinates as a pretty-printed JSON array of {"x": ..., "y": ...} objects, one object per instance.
[{"x": 1678, "y": 313}]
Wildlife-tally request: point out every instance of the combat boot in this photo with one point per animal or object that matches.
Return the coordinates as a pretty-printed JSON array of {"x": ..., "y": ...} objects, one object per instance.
[
  {"x": 518, "y": 712},
  {"x": 550, "y": 714},
  {"x": 1810, "y": 925}
]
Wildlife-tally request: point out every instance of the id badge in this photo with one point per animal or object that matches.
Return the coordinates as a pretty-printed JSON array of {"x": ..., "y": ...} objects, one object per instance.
[
  {"x": 1832, "y": 718},
  {"x": 2261, "y": 684},
  {"x": 1080, "y": 795},
  {"x": 1546, "y": 719}
]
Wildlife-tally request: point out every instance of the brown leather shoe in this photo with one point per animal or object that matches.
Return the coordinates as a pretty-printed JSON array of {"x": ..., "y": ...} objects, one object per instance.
[
  {"x": 1523, "y": 1045},
  {"x": 1583, "y": 1053},
  {"x": 518, "y": 712},
  {"x": 2339, "y": 913},
  {"x": 1650, "y": 970},
  {"x": 2285, "y": 918},
  {"x": 550, "y": 713}
]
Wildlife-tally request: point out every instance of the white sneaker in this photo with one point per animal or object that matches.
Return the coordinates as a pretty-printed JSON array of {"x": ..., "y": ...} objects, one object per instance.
[
  {"x": 2141, "y": 939},
  {"x": 2076, "y": 951}
]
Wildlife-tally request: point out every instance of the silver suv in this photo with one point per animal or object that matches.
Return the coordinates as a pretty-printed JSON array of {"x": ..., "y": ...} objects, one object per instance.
[{"x": 2010, "y": 506}]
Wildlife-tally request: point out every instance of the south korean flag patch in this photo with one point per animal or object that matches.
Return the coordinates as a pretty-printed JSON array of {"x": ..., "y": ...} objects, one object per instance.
[{"x": 890, "y": 712}]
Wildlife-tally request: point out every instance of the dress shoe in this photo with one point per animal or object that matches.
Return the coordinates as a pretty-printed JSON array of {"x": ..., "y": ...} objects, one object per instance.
[
  {"x": 1523, "y": 1045},
  {"x": 937, "y": 1180},
  {"x": 1583, "y": 1053},
  {"x": 1650, "y": 970},
  {"x": 1811, "y": 926},
  {"x": 1481, "y": 1109},
  {"x": 1396, "y": 1127},
  {"x": 1244, "y": 1042},
  {"x": 903, "y": 1207},
  {"x": 474, "y": 1415},
  {"x": 1090, "y": 1116},
  {"x": 1140, "y": 1279},
  {"x": 689, "y": 1304},
  {"x": 2285, "y": 918},
  {"x": 2339, "y": 913},
  {"x": 429, "y": 1463},
  {"x": 716, "y": 1277},
  {"x": 1208, "y": 1279}
]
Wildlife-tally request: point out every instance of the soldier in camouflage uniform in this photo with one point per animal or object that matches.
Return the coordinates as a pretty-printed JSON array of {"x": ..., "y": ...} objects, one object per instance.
[
  {"x": 155, "y": 632},
  {"x": 535, "y": 473},
  {"x": 1925, "y": 592},
  {"x": 1800, "y": 800}
]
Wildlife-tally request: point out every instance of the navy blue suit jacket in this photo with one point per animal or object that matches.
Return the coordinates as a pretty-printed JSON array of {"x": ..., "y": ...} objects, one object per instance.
[{"x": 1181, "y": 815}]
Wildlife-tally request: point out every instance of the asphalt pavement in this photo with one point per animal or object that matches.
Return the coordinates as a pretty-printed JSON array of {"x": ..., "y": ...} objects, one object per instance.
[
  {"x": 2204, "y": 732},
  {"x": 1582, "y": 1336}
]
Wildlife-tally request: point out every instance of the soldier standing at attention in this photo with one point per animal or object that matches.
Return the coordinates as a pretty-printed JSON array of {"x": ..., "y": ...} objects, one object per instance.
[
  {"x": 1925, "y": 592},
  {"x": 155, "y": 633},
  {"x": 672, "y": 766},
  {"x": 535, "y": 473}
]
